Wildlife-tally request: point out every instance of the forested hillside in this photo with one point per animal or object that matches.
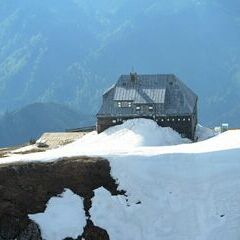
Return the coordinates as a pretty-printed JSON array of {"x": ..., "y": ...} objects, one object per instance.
[
  {"x": 31, "y": 121},
  {"x": 70, "y": 51}
]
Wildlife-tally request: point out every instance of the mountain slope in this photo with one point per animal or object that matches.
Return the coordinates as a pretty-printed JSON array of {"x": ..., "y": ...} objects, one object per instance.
[
  {"x": 70, "y": 51},
  {"x": 33, "y": 120}
]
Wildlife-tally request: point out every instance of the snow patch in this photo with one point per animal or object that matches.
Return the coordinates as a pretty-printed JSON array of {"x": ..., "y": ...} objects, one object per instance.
[
  {"x": 203, "y": 133},
  {"x": 136, "y": 137},
  {"x": 64, "y": 217},
  {"x": 174, "y": 190},
  {"x": 133, "y": 133},
  {"x": 104, "y": 210},
  {"x": 172, "y": 196},
  {"x": 24, "y": 149}
]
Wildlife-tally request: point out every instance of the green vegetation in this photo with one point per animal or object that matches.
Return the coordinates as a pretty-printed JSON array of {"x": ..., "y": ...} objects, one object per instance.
[
  {"x": 71, "y": 51},
  {"x": 33, "y": 120}
]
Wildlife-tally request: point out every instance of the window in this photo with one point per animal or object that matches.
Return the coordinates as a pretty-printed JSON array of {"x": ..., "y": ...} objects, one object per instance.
[
  {"x": 189, "y": 119},
  {"x": 124, "y": 104},
  {"x": 168, "y": 119},
  {"x": 184, "y": 119},
  {"x": 162, "y": 120},
  {"x": 179, "y": 119},
  {"x": 150, "y": 108},
  {"x": 114, "y": 121},
  {"x": 173, "y": 120},
  {"x": 138, "y": 108}
]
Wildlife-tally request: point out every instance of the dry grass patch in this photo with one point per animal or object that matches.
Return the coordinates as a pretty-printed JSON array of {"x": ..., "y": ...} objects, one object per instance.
[
  {"x": 35, "y": 150},
  {"x": 2, "y": 155}
]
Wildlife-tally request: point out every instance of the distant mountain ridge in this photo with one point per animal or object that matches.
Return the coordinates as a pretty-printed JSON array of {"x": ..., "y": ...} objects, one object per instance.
[
  {"x": 31, "y": 121},
  {"x": 70, "y": 51}
]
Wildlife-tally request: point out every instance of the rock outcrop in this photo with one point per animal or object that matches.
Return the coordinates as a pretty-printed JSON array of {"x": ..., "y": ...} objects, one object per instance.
[{"x": 25, "y": 188}]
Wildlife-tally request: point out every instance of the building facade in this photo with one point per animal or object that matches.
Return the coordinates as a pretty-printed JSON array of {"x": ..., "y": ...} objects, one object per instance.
[{"x": 160, "y": 97}]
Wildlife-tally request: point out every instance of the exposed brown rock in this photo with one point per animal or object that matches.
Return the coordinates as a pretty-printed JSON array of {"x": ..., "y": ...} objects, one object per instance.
[
  {"x": 92, "y": 232},
  {"x": 25, "y": 188},
  {"x": 32, "y": 232}
]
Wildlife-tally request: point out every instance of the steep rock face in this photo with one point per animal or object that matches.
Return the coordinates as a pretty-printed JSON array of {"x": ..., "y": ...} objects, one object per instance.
[{"x": 25, "y": 188}]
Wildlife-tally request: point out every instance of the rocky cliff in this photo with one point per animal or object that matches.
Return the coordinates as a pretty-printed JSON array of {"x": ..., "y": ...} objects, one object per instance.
[{"x": 25, "y": 188}]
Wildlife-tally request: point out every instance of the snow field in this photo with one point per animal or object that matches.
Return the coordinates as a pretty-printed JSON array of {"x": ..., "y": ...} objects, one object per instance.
[
  {"x": 187, "y": 191},
  {"x": 133, "y": 136},
  {"x": 183, "y": 196},
  {"x": 64, "y": 217}
]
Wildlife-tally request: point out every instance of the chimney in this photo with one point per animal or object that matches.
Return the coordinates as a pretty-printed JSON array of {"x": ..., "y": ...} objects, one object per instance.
[{"x": 133, "y": 77}]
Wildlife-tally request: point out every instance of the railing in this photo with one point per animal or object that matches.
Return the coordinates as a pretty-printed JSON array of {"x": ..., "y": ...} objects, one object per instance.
[{"x": 82, "y": 129}]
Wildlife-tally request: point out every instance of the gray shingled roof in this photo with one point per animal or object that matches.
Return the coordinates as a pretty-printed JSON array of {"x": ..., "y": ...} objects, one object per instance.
[
  {"x": 144, "y": 90},
  {"x": 165, "y": 92}
]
